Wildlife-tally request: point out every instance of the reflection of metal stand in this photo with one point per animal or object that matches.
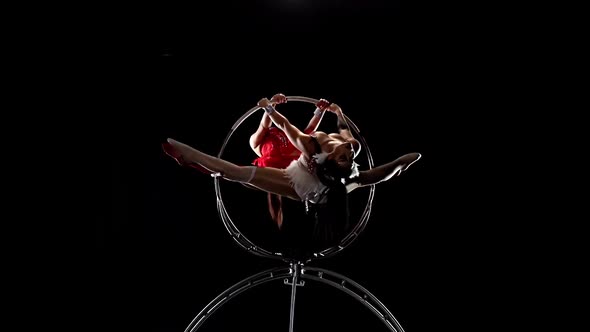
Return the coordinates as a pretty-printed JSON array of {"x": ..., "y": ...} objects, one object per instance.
[
  {"x": 292, "y": 276},
  {"x": 296, "y": 273}
]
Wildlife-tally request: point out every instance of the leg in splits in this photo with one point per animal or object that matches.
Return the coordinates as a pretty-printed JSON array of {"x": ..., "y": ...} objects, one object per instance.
[
  {"x": 383, "y": 172},
  {"x": 269, "y": 179}
]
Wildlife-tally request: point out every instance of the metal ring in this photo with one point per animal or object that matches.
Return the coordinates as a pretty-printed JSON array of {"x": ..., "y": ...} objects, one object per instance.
[
  {"x": 330, "y": 278},
  {"x": 244, "y": 242}
]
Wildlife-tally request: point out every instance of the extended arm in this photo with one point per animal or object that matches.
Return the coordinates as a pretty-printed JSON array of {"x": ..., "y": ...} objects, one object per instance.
[
  {"x": 257, "y": 137},
  {"x": 344, "y": 129},
  {"x": 298, "y": 138},
  {"x": 318, "y": 114}
]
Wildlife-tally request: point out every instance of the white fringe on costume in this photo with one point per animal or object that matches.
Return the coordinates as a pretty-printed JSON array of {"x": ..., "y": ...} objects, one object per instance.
[{"x": 307, "y": 185}]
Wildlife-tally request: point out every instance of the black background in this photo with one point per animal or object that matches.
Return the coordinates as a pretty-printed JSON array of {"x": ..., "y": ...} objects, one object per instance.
[{"x": 160, "y": 253}]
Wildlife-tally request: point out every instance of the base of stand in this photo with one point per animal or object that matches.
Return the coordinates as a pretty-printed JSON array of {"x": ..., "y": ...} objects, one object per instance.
[{"x": 294, "y": 273}]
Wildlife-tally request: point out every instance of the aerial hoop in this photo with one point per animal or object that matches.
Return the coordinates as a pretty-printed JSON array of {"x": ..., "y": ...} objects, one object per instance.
[{"x": 247, "y": 244}]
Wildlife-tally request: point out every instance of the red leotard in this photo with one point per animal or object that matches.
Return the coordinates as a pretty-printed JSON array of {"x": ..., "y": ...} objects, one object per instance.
[{"x": 276, "y": 150}]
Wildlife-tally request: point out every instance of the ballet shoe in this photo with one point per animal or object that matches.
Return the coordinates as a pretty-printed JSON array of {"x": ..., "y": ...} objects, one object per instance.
[{"x": 176, "y": 155}]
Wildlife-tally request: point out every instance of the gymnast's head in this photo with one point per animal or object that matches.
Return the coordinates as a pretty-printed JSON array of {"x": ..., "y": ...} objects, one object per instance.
[{"x": 337, "y": 165}]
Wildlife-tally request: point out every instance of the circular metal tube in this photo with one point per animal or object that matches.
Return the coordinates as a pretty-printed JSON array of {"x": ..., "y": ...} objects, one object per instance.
[
  {"x": 253, "y": 248},
  {"x": 245, "y": 284},
  {"x": 324, "y": 276}
]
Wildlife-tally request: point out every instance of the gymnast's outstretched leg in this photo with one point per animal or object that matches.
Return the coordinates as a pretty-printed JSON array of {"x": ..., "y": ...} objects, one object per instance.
[
  {"x": 383, "y": 172},
  {"x": 407, "y": 160},
  {"x": 269, "y": 179}
]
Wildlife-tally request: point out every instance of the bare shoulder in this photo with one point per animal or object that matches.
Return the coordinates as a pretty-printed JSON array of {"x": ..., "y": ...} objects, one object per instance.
[
  {"x": 320, "y": 134},
  {"x": 337, "y": 136},
  {"x": 356, "y": 145},
  {"x": 344, "y": 138},
  {"x": 305, "y": 144}
]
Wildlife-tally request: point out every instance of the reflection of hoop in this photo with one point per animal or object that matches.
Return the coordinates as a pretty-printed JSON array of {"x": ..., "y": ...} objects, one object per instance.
[
  {"x": 297, "y": 274},
  {"x": 251, "y": 247}
]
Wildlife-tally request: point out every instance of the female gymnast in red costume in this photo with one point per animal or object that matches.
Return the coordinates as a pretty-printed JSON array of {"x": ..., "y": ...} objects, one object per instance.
[
  {"x": 322, "y": 175},
  {"x": 274, "y": 149}
]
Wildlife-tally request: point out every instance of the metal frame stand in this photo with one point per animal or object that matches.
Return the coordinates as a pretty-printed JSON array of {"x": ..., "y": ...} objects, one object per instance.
[{"x": 295, "y": 275}]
